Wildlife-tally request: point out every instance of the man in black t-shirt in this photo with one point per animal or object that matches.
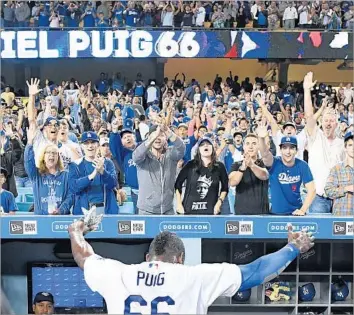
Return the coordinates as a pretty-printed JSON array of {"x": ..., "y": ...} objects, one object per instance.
[{"x": 251, "y": 180}]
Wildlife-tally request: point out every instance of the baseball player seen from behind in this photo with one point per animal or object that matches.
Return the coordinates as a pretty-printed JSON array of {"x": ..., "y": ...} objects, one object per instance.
[{"x": 163, "y": 284}]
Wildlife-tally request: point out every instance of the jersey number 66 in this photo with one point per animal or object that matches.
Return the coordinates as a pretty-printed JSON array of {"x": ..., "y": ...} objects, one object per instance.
[{"x": 140, "y": 300}]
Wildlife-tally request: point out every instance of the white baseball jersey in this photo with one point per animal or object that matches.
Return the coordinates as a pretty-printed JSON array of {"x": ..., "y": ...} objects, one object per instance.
[{"x": 158, "y": 287}]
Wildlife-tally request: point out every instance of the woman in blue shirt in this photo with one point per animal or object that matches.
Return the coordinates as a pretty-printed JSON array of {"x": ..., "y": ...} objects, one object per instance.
[{"x": 49, "y": 180}]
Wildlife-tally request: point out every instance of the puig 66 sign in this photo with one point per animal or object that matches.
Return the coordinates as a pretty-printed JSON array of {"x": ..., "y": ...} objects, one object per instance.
[{"x": 98, "y": 44}]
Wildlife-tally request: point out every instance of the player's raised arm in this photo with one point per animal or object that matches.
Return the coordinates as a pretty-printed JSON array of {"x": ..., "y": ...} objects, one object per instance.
[
  {"x": 82, "y": 250},
  {"x": 270, "y": 266}
]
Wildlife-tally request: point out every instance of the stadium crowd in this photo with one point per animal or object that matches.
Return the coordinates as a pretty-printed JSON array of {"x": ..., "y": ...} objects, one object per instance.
[
  {"x": 227, "y": 147},
  {"x": 178, "y": 14}
]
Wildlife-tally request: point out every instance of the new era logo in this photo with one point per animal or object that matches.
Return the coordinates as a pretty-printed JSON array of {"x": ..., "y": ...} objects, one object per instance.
[
  {"x": 339, "y": 228},
  {"x": 124, "y": 227},
  {"x": 138, "y": 227},
  {"x": 16, "y": 227},
  {"x": 232, "y": 227},
  {"x": 23, "y": 227},
  {"x": 131, "y": 227}
]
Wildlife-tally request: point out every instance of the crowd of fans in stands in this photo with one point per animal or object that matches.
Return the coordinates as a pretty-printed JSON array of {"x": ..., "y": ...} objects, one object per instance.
[
  {"x": 227, "y": 147},
  {"x": 178, "y": 14}
]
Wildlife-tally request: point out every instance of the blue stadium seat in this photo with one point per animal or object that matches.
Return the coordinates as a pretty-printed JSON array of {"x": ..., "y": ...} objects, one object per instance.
[
  {"x": 25, "y": 190},
  {"x": 28, "y": 198},
  {"x": 126, "y": 208},
  {"x": 24, "y": 206},
  {"x": 19, "y": 198}
]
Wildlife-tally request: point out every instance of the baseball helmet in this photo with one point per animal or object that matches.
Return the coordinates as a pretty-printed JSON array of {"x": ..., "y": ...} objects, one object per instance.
[
  {"x": 307, "y": 292},
  {"x": 242, "y": 296},
  {"x": 339, "y": 290}
]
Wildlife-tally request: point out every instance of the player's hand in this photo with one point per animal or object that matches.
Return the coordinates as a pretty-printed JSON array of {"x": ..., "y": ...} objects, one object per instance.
[
  {"x": 303, "y": 240},
  {"x": 88, "y": 223},
  {"x": 180, "y": 209},
  {"x": 298, "y": 212}
]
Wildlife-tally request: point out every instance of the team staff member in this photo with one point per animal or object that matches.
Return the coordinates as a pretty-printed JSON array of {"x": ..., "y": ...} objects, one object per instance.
[
  {"x": 43, "y": 303},
  {"x": 286, "y": 174},
  {"x": 93, "y": 179},
  {"x": 340, "y": 182},
  {"x": 50, "y": 180},
  {"x": 250, "y": 177},
  {"x": 204, "y": 176},
  {"x": 156, "y": 163}
]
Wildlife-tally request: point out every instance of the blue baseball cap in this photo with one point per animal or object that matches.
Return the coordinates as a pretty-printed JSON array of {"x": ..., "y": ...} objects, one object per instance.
[
  {"x": 118, "y": 106},
  {"x": 186, "y": 120},
  {"x": 344, "y": 120},
  {"x": 205, "y": 139},
  {"x": 289, "y": 140},
  {"x": 49, "y": 119},
  {"x": 89, "y": 136},
  {"x": 307, "y": 292},
  {"x": 348, "y": 135},
  {"x": 126, "y": 130},
  {"x": 242, "y": 296},
  {"x": 43, "y": 297},
  {"x": 2, "y": 133},
  {"x": 339, "y": 290}
]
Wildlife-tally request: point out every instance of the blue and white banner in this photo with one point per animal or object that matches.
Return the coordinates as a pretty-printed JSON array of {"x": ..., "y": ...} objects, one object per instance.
[
  {"x": 174, "y": 44},
  {"x": 220, "y": 227}
]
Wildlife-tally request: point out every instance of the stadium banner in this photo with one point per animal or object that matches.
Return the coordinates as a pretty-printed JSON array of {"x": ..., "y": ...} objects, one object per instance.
[
  {"x": 220, "y": 227},
  {"x": 241, "y": 44}
]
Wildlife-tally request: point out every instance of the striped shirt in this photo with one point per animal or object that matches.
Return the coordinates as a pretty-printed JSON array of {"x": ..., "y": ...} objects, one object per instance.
[{"x": 341, "y": 175}]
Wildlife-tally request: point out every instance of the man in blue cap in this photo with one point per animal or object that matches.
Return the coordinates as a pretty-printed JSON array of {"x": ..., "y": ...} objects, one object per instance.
[
  {"x": 43, "y": 303},
  {"x": 93, "y": 179},
  {"x": 286, "y": 174},
  {"x": 122, "y": 146}
]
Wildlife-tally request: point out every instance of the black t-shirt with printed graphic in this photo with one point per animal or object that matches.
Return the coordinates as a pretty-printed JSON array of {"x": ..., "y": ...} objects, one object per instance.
[
  {"x": 251, "y": 192},
  {"x": 203, "y": 187}
]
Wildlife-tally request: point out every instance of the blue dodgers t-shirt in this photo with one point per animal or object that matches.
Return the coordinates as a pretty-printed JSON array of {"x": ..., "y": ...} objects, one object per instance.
[
  {"x": 285, "y": 183},
  {"x": 7, "y": 201}
]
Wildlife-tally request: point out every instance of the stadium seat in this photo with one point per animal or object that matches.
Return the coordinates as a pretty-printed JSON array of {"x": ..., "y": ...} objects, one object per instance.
[
  {"x": 24, "y": 206},
  {"x": 19, "y": 198},
  {"x": 126, "y": 208},
  {"x": 25, "y": 190},
  {"x": 28, "y": 198}
]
